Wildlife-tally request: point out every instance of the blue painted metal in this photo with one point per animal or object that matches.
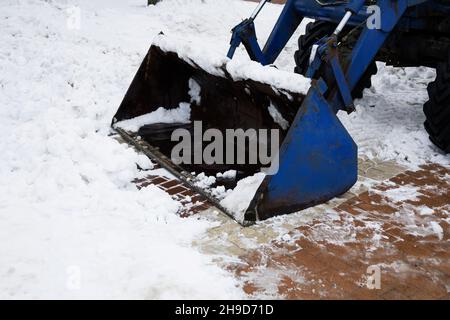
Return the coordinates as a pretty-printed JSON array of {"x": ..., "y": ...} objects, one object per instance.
[
  {"x": 362, "y": 55},
  {"x": 366, "y": 48},
  {"x": 285, "y": 27},
  {"x": 354, "y": 6},
  {"x": 245, "y": 33},
  {"x": 318, "y": 161},
  {"x": 287, "y": 24},
  {"x": 342, "y": 84}
]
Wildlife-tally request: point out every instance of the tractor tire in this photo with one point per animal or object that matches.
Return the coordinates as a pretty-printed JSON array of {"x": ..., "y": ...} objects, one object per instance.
[
  {"x": 437, "y": 109},
  {"x": 314, "y": 32}
]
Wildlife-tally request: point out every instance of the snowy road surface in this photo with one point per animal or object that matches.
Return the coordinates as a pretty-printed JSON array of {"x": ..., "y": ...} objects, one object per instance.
[{"x": 72, "y": 225}]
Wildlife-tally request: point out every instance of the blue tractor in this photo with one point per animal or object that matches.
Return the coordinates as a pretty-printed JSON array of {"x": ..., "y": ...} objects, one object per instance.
[
  {"x": 348, "y": 36},
  {"x": 317, "y": 158}
]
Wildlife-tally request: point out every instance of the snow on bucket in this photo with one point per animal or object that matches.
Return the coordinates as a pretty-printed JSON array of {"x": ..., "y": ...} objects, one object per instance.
[{"x": 180, "y": 89}]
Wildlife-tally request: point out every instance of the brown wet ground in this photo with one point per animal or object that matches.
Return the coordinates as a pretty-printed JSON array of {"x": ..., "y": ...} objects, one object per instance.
[
  {"x": 391, "y": 242},
  {"x": 410, "y": 266}
]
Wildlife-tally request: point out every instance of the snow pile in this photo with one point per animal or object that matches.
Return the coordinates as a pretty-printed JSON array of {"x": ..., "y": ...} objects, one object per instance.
[
  {"x": 203, "y": 181},
  {"x": 278, "y": 79},
  {"x": 230, "y": 174},
  {"x": 215, "y": 62},
  {"x": 72, "y": 223}
]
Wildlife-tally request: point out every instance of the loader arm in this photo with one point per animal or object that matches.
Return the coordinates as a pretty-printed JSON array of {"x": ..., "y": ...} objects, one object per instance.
[
  {"x": 285, "y": 27},
  {"x": 289, "y": 20}
]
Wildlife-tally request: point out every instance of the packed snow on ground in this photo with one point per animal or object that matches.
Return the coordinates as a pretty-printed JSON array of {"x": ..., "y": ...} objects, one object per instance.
[
  {"x": 72, "y": 223},
  {"x": 402, "y": 193}
]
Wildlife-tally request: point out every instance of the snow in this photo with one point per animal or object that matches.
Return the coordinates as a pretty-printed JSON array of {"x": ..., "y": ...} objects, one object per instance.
[
  {"x": 388, "y": 122},
  {"x": 215, "y": 62},
  {"x": 72, "y": 223},
  {"x": 230, "y": 174},
  {"x": 278, "y": 117},
  {"x": 182, "y": 114},
  {"x": 238, "y": 200},
  {"x": 279, "y": 79},
  {"x": 402, "y": 193},
  {"x": 203, "y": 181},
  {"x": 194, "y": 91},
  {"x": 425, "y": 211}
]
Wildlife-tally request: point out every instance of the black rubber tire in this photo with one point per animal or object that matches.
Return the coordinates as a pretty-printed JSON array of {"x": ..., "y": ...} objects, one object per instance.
[
  {"x": 314, "y": 32},
  {"x": 437, "y": 109}
]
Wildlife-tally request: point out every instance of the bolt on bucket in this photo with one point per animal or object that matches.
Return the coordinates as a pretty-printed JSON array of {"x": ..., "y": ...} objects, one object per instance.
[{"x": 200, "y": 116}]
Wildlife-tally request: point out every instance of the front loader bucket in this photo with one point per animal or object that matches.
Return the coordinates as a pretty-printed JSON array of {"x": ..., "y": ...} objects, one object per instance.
[{"x": 317, "y": 158}]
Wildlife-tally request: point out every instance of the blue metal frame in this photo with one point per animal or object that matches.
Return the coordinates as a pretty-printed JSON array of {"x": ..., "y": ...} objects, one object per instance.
[{"x": 295, "y": 10}]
